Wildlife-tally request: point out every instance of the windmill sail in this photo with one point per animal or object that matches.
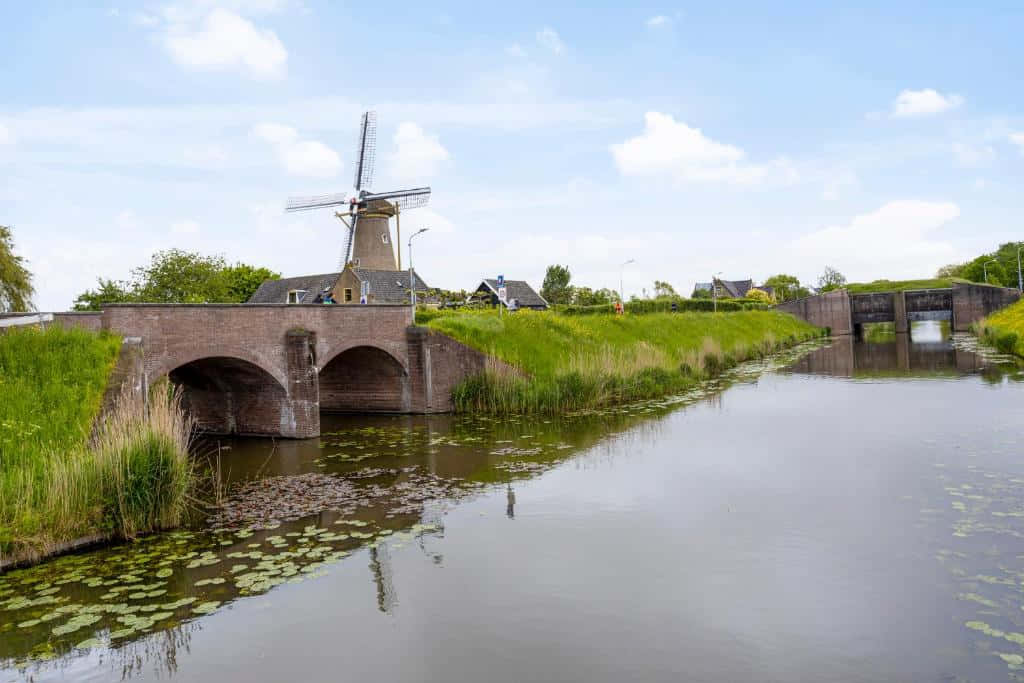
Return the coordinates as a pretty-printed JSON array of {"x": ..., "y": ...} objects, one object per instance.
[
  {"x": 315, "y": 202},
  {"x": 403, "y": 199},
  {"x": 366, "y": 151},
  {"x": 348, "y": 242}
]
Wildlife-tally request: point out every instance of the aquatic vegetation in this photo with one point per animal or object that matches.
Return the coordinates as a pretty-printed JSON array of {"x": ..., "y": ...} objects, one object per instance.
[{"x": 576, "y": 362}]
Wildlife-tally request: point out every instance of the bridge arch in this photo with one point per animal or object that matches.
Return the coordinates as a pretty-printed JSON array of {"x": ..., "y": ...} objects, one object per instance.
[
  {"x": 364, "y": 378},
  {"x": 231, "y": 395}
]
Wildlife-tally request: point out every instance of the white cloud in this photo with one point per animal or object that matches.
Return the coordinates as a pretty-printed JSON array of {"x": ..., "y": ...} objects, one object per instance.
[
  {"x": 910, "y": 103},
  {"x": 300, "y": 157},
  {"x": 672, "y": 148},
  {"x": 548, "y": 38},
  {"x": 225, "y": 40},
  {"x": 895, "y": 241},
  {"x": 657, "y": 21},
  {"x": 515, "y": 50},
  {"x": 417, "y": 154},
  {"x": 186, "y": 227},
  {"x": 127, "y": 220},
  {"x": 6, "y": 137},
  {"x": 1018, "y": 139}
]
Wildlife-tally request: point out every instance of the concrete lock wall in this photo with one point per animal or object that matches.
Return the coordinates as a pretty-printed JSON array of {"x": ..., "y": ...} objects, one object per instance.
[
  {"x": 964, "y": 303},
  {"x": 831, "y": 310},
  {"x": 972, "y": 302}
]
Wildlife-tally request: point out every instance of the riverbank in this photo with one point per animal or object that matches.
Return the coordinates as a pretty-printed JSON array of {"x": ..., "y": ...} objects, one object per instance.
[
  {"x": 571, "y": 363},
  {"x": 63, "y": 477},
  {"x": 1005, "y": 329}
]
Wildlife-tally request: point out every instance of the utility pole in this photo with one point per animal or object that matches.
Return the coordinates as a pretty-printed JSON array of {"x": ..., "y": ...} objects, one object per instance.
[
  {"x": 984, "y": 268},
  {"x": 412, "y": 276},
  {"x": 714, "y": 290},
  {"x": 622, "y": 291},
  {"x": 1020, "y": 283}
]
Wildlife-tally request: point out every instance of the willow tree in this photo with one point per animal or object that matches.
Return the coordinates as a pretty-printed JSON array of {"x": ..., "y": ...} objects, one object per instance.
[{"x": 15, "y": 281}]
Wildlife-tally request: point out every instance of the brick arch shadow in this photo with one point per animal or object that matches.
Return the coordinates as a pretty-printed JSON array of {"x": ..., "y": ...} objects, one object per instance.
[
  {"x": 364, "y": 377},
  {"x": 230, "y": 394}
]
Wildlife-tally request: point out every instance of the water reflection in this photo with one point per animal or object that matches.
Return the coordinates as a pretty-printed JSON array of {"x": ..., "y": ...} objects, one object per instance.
[{"x": 928, "y": 351}]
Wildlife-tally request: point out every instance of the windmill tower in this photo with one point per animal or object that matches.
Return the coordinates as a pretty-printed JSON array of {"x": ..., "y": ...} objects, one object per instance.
[{"x": 368, "y": 241}]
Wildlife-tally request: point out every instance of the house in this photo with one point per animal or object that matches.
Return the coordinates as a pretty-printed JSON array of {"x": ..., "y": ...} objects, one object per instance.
[
  {"x": 377, "y": 286},
  {"x": 306, "y": 289},
  {"x": 350, "y": 286},
  {"x": 518, "y": 290},
  {"x": 726, "y": 289}
]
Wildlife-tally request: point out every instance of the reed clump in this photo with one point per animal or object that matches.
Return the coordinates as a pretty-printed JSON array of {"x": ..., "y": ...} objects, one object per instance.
[
  {"x": 567, "y": 363},
  {"x": 133, "y": 476}
]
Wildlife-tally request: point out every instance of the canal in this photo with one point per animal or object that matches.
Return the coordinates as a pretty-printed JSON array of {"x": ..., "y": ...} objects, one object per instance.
[{"x": 852, "y": 512}]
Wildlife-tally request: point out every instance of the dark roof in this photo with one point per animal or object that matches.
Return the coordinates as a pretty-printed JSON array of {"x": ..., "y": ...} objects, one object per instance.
[
  {"x": 518, "y": 290},
  {"x": 388, "y": 286},
  {"x": 276, "y": 291},
  {"x": 737, "y": 288}
]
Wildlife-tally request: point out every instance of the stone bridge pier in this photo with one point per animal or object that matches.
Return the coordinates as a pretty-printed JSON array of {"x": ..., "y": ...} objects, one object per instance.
[{"x": 271, "y": 369}]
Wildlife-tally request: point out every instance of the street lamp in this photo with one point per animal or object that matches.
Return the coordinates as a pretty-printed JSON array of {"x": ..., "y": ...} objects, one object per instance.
[
  {"x": 984, "y": 268},
  {"x": 1020, "y": 283},
  {"x": 622, "y": 269},
  {"x": 412, "y": 280},
  {"x": 714, "y": 290}
]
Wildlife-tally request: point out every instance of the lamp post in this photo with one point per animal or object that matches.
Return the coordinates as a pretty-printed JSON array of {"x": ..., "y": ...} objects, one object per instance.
[
  {"x": 1020, "y": 283},
  {"x": 984, "y": 268},
  {"x": 622, "y": 269},
  {"x": 412, "y": 280},
  {"x": 714, "y": 290}
]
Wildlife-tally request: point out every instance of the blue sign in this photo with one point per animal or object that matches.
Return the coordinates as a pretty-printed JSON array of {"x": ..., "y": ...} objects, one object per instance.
[{"x": 501, "y": 280}]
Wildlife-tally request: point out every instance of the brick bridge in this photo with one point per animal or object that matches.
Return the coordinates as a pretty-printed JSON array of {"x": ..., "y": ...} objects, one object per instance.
[
  {"x": 269, "y": 369},
  {"x": 846, "y": 313}
]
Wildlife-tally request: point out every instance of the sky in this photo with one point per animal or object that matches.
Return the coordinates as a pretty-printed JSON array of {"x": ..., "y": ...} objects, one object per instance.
[{"x": 735, "y": 138}]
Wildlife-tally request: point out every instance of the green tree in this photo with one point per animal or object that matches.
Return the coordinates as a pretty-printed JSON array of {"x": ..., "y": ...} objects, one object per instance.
[
  {"x": 701, "y": 293},
  {"x": 556, "y": 289},
  {"x": 786, "y": 287},
  {"x": 975, "y": 270},
  {"x": 108, "y": 292},
  {"x": 243, "y": 280},
  {"x": 176, "y": 276},
  {"x": 759, "y": 295},
  {"x": 16, "y": 288},
  {"x": 585, "y": 296},
  {"x": 663, "y": 290},
  {"x": 831, "y": 279}
]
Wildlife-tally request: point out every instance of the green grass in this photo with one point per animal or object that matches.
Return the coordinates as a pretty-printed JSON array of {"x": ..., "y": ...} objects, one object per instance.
[
  {"x": 577, "y": 362},
  {"x": 56, "y": 482},
  {"x": 1005, "y": 329},
  {"x": 898, "y": 285}
]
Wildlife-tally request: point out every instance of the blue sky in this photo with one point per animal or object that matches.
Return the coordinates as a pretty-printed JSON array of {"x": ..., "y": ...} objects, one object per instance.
[{"x": 741, "y": 138}]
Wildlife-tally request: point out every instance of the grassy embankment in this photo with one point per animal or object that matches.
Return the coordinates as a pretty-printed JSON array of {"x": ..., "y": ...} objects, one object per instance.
[
  {"x": 578, "y": 362},
  {"x": 898, "y": 285},
  {"x": 58, "y": 483},
  {"x": 1005, "y": 329}
]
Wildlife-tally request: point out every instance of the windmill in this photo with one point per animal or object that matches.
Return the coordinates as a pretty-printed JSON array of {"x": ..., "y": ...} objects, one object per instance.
[{"x": 368, "y": 243}]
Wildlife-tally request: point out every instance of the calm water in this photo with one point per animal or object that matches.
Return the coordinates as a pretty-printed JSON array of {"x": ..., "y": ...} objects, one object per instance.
[{"x": 856, "y": 517}]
